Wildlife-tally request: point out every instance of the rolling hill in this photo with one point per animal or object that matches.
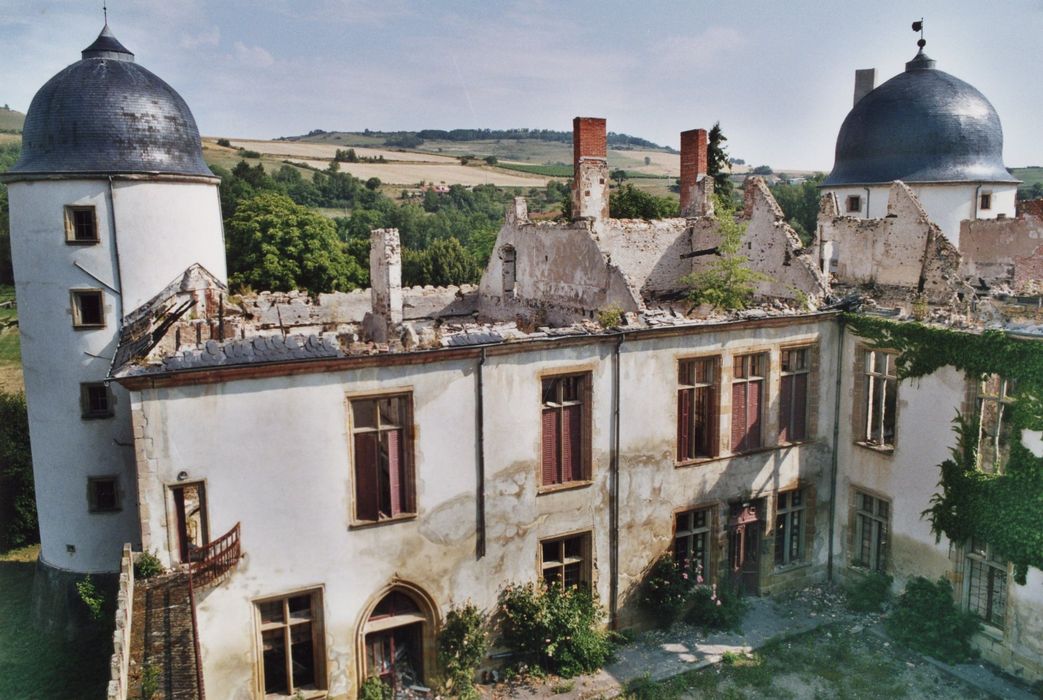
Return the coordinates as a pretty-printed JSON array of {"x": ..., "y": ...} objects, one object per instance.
[{"x": 11, "y": 120}]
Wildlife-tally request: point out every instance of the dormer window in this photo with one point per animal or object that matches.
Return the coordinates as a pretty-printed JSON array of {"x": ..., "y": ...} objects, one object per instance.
[{"x": 854, "y": 203}]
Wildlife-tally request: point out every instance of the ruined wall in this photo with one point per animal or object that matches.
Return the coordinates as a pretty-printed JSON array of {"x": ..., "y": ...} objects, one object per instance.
[
  {"x": 1002, "y": 251},
  {"x": 648, "y": 253},
  {"x": 590, "y": 166},
  {"x": 770, "y": 246}
]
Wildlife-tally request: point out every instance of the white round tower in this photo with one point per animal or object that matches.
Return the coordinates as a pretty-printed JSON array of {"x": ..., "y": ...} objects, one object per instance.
[{"x": 110, "y": 201}]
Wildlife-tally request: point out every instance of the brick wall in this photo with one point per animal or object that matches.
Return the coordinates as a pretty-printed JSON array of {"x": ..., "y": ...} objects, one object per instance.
[{"x": 589, "y": 138}]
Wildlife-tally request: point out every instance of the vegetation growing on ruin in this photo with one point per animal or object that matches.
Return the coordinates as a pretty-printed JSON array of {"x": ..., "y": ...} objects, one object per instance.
[
  {"x": 927, "y": 620},
  {"x": 461, "y": 647},
  {"x": 1006, "y": 508}
]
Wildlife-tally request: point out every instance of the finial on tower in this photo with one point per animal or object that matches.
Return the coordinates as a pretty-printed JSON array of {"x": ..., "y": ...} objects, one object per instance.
[
  {"x": 918, "y": 27},
  {"x": 105, "y": 12}
]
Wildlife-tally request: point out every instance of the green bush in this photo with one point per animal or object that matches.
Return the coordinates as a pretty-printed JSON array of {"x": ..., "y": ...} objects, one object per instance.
[
  {"x": 667, "y": 588},
  {"x": 868, "y": 593},
  {"x": 716, "y": 607},
  {"x": 147, "y": 566},
  {"x": 18, "y": 525},
  {"x": 927, "y": 620},
  {"x": 375, "y": 689},
  {"x": 224, "y": 142},
  {"x": 461, "y": 648},
  {"x": 91, "y": 597},
  {"x": 556, "y": 630}
]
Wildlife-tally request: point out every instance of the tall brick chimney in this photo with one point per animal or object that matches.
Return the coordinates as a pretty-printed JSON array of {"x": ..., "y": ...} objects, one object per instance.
[
  {"x": 590, "y": 168},
  {"x": 696, "y": 187}
]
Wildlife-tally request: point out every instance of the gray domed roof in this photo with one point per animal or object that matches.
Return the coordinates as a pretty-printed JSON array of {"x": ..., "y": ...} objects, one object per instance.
[
  {"x": 922, "y": 125},
  {"x": 105, "y": 114}
]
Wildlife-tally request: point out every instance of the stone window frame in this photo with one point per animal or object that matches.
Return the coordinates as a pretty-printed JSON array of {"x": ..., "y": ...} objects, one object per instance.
[
  {"x": 407, "y": 462},
  {"x": 861, "y": 397},
  {"x": 977, "y": 398},
  {"x": 978, "y": 555},
  {"x": 782, "y": 526},
  {"x": 711, "y": 532},
  {"x": 853, "y": 204},
  {"x": 76, "y": 222},
  {"x": 765, "y": 381},
  {"x": 586, "y": 403},
  {"x": 76, "y": 297},
  {"x": 681, "y": 459},
  {"x": 582, "y": 554},
  {"x": 316, "y": 619},
  {"x": 857, "y": 515},
  {"x": 93, "y": 504},
  {"x": 811, "y": 397},
  {"x": 91, "y": 407},
  {"x": 985, "y": 201}
]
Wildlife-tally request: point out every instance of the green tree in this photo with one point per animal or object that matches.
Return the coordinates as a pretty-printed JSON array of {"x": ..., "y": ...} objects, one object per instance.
[
  {"x": 628, "y": 202},
  {"x": 8, "y": 155},
  {"x": 717, "y": 162},
  {"x": 799, "y": 204},
  {"x": 276, "y": 244},
  {"x": 444, "y": 262},
  {"x": 373, "y": 184},
  {"x": 762, "y": 170},
  {"x": 18, "y": 526},
  {"x": 618, "y": 176},
  {"x": 727, "y": 282}
]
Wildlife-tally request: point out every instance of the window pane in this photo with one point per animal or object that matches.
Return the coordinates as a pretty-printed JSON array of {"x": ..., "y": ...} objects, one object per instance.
[
  {"x": 275, "y": 680},
  {"x": 271, "y": 611},
  {"x": 550, "y": 391},
  {"x": 390, "y": 412},
  {"x": 573, "y": 547},
  {"x": 686, "y": 373},
  {"x": 573, "y": 388},
  {"x": 551, "y": 552},
  {"x": 363, "y": 412},
  {"x": 302, "y": 655},
  {"x": 300, "y": 607}
]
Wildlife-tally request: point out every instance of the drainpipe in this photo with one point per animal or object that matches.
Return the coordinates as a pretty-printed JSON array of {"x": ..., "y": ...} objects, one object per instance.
[
  {"x": 119, "y": 270},
  {"x": 479, "y": 421},
  {"x": 867, "y": 200},
  {"x": 836, "y": 442},
  {"x": 977, "y": 198},
  {"x": 613, "y": 510}
]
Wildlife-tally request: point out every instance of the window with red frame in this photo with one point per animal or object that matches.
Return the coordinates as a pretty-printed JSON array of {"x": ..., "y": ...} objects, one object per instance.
[
  {"x": 382, "y": 436},
  {"x": 697, "y": 412},
  {"x": 748, "y": 396},
  {"x": 564, "y": 429},
  {"x": 793, "y": 394}
]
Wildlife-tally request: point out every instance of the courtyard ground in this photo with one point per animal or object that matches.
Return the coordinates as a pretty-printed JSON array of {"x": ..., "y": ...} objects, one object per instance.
[{"x": 803, "y": 646}]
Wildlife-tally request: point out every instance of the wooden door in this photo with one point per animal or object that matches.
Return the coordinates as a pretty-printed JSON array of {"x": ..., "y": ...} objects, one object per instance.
[{"x": 745, "y": 528}]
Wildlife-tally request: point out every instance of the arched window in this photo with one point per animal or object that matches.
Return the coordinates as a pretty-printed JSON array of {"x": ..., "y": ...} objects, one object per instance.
[{"x": 398, "y": 639}]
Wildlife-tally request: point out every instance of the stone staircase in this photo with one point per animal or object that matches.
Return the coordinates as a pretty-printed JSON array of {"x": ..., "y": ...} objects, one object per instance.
[{"x": 163, "y": 645}]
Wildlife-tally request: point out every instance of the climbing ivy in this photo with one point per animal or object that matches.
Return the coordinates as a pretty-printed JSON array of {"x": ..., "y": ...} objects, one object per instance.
[{"x": 1005, "y": 509}]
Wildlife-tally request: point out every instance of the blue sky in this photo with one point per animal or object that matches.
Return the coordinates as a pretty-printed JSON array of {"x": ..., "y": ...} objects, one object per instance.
[{"x": 777, "y": 75}]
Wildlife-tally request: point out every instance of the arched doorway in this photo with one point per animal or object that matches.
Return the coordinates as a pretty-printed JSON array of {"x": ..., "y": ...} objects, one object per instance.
[{"x": 397, "y": 640}]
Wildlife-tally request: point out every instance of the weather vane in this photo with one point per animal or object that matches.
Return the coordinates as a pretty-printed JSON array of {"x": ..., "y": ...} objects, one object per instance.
[
  {"x": 105, "y": 12},
  {"x": 918, "y": 27}
]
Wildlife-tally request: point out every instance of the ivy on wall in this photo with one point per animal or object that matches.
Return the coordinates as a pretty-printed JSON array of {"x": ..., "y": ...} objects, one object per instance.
[{"x": 1005, "y": 509}]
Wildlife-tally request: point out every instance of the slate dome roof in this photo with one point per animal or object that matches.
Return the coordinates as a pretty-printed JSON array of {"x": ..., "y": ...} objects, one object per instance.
[
  {"x": 105, "y": 114},
  {"x": 922, "y": 125}
]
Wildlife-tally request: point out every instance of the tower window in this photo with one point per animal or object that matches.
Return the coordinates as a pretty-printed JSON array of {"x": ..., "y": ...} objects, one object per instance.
[
  {"x": 854, "y": 203},
  {"x": 103, "y": 494},
  {"x": 95, "y": 400},
  {"x": 986, "y": 201},
  {"x": 88, "y": 309},
  {"x": 81, "y": 226}
]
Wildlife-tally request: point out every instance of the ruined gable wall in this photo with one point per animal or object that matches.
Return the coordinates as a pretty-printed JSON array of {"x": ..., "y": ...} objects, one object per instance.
[
  {"x": 648, "y": 253},
  {"x": 1002, "y": 250}
]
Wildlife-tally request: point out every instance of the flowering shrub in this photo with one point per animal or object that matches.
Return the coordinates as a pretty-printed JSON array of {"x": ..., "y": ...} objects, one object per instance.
[
  {"x": 668, "y": 587},
  {"x": 461, "y": 648},
  {"x": 555, "y": 629}
]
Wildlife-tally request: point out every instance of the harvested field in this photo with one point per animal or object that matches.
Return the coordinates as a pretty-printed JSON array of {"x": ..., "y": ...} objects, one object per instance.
[
  {"x": 328, "y": 151},
  {"x": 412, "y": 173}
]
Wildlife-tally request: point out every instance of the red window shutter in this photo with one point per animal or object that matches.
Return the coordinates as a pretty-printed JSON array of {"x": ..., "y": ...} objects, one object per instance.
[
  {"x": 395, "y": 477},
  {"x": 367, "y": 487},
  {"x": 572, "y": 443},
  {"x": 800, "y": 407},
  {"x": 753, "y": 410},
  {"x": 738, "y": 416},
  {"x": 684, "y": 424},
  {"x": 786, "y": 409},
  {"x": 550, "y": 447}
]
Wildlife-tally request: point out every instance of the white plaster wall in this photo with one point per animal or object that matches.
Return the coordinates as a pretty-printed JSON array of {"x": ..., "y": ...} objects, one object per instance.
[
  {"x": 275, "y": 455},
  {"x": 163, "y": 228},
  {"x": 56, "y": 359}
]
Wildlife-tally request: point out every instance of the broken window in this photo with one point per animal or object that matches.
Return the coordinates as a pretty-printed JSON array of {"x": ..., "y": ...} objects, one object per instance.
[
  {"x": 854, "y": 203},
  {"x": 95, "y": 400},
  {"x": 985, "y": 201},
  {"x": 509, "y": 256},
  {"x": 697, "y": 410},
  {"x": 748, "y": 401},
  {"x": 793, "y": 394},
  {"x": 871, "y": 527},
  {"x": 986, "y": 584},
  {"x": 103, "y": 494},
  {"x": 881, "y": 395},
  {"x": 994, "y": 398},
  {"x": 291, "y": 643},
  {"x": 395, "y": 638},
  {"x": 88, "y": 308},
  {"x": 190, "y": 519},
  {"x": 564, "y": 429},
  {"x": 81, "y": 225},
  {"x": 789, "y": 528},
  {"x": 692, "y": 539},
  {"x": 381, "y": 430},
  {"x": 565, "y": 561}
]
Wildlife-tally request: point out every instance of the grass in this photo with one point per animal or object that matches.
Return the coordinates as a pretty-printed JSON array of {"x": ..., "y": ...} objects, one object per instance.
[
  {"x": 1029, "y": 176},
  {"x": 9, "y": 346},
  {"x": 11, "y": 120},
  {"x": 34, "y": 664},
  {"x": 829, "y": 662}
]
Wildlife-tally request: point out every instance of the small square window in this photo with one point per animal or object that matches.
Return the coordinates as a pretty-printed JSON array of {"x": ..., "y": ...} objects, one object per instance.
[
  {"x": 88, "y": 308},
  {"x": 103, "y": 494},
  {"x": 986, "y": 201},
  {"x": 81, "y": 226},
  {"x": 95, "y": 400},
  {"x": 565, "y": 561},
  {"x": 854, "y": 203}
]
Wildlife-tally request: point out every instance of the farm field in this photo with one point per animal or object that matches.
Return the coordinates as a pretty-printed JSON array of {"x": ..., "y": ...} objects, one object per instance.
[
  {"x": 11, "y": 119},
  {"x": 451, "y": 174},
  {"x": 328, "y": 151}
]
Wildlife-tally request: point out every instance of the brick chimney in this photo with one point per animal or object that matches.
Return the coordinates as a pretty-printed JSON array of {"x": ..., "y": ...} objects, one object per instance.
[
  {"x": 590, "y": 168},
  {"x": 696, "y": 187},
  {"x": 385, "y": 279}
]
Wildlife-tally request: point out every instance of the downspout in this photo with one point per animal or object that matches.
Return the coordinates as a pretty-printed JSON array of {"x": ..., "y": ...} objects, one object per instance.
[
  {"x": 868, "y": 192},
  {"x": 479, "y": 420},
  {"x": 836, "y": 442},
  {"x": 613, "y": 510},
  {"x": 977, "y": 198},
  {"x": 119, "y": 269}
]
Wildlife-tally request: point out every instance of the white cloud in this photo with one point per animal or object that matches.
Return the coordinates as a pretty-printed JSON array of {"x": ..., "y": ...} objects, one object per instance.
[
  {"x": 253, "y": 56},
  {"x": 209, "y": 37},
  {"x": 690, "y": 52}
]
